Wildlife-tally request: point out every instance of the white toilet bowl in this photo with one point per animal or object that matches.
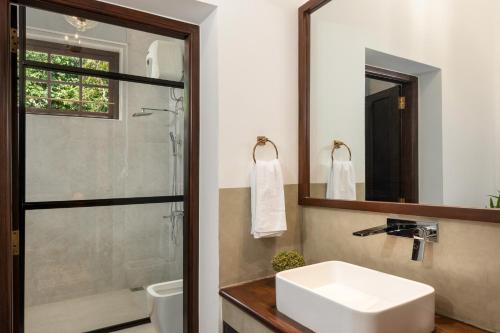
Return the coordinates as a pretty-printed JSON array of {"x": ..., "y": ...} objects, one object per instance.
[{"x": 165, "y": 306}]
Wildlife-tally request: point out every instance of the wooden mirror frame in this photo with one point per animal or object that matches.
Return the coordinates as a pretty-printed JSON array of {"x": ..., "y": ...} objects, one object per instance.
[
  {"x": 447, "y": 212},
  {"x": 10, "y": 302}
]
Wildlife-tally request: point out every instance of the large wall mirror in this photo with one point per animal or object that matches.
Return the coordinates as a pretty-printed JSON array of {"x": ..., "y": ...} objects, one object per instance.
[{"x": 399, "y": 107}]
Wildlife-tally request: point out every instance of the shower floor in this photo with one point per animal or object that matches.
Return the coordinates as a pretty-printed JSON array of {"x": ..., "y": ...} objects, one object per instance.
[{"x": 89, "y": 313}]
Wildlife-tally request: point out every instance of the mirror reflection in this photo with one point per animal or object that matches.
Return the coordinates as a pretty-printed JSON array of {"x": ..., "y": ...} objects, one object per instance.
[{"x": 403, "y": 102}]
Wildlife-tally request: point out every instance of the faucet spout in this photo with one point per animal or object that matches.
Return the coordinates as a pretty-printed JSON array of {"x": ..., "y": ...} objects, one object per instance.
[{"x": 373, "y": 231}]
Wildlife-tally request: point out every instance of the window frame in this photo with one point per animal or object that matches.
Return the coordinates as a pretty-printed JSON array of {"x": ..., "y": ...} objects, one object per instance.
[{"x": 113, "y": 58}]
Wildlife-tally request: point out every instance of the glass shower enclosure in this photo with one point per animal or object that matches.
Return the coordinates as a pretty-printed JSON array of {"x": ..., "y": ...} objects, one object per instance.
[{"x": 101, "y": 153}]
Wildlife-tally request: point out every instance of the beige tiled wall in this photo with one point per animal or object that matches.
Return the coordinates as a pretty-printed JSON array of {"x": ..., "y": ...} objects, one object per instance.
[
  {"x": 243, "y": 258},
  {"x": 464, "y": 267}
]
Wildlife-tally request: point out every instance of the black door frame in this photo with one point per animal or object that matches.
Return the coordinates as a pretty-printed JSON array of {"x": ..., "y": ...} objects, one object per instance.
[
  {"x": 13, "y": 205},
  {"x": 409, "y": 127}
]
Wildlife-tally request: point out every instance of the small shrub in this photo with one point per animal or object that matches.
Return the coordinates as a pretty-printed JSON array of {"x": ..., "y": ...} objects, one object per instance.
[
  {"x": 495, "y": 200},
  {"x": 285, "y": 260}
]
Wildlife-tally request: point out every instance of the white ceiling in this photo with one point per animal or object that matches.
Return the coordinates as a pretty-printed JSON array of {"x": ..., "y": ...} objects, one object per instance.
[{"x": 184, "y": 10}]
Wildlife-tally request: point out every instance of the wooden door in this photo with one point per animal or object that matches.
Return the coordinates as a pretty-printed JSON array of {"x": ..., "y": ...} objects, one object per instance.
[{"x": 383, "y": 146}]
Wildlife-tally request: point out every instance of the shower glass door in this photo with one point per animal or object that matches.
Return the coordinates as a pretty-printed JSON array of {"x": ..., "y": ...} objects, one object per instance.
[{"x": 101, "y": 145}]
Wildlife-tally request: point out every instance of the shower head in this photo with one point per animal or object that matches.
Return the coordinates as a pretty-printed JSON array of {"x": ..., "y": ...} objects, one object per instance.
[
  {"x": 146, "y": 113},
  {"x": 143, "y": 113}
]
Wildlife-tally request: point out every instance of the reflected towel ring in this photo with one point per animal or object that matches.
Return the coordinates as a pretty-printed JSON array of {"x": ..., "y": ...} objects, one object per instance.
[
  {"x": 261, "y": 141},
  {"x": 337, "y": 144}
]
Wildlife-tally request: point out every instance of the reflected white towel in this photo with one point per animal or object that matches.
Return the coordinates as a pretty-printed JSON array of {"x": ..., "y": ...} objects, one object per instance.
[
  {"x": 268, "y": 200},
  {"x": 341, "y": 183}
]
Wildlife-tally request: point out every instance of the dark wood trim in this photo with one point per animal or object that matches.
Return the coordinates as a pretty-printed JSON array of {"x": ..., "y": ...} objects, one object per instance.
[
  {"x": 258, "y": 299},
  {"x": 410, "y": 116},
  {"x": 120, "y": 327},
  {"x": 101, "y": 202},
  {"x": 312, "y": 6},
  {"x": 409, "y": 123},
  {"x": 133, "y": 19},
  {"x": 116, "y": 15},
  {"x": 6, "y": 212},
  {"x": 388, "y": 75},
  {"x": 191, "y": 174},
  {"x": 447, "y": 212}
]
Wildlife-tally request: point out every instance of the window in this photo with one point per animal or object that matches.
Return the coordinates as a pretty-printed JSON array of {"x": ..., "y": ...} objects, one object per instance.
[{"x": 59, "y": 93}]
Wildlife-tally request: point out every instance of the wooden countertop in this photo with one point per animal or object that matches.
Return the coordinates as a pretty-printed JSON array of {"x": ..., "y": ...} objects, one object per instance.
[{"x": 258, "y": 298}]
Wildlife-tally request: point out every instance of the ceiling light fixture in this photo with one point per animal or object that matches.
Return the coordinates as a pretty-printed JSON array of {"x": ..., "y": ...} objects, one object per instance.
[{"x": 81, "y": 24}]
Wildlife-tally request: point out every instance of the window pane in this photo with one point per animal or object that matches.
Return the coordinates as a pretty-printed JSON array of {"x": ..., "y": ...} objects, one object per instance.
[
  {"x": 95, "y": 94},
  {"x": 65, "y": 77},
  {"x": 99, "y": 65},
  {"x": 95, "y": 107},
  {"x": 65, "y": 60},
  {"x": 37, "y": 56},
  {"x": 37, "y": 103},
  {"x": 36, "y": 95},
  {"x": 97, "y": 81},
  {"x": 65, "y": 96},
  {"x": 36, "y": 74},
  {"x": 36, "y": 89}
]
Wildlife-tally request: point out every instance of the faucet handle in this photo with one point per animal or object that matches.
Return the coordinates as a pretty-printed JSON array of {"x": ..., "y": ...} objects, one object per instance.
[{"x": 417, "y": 253}]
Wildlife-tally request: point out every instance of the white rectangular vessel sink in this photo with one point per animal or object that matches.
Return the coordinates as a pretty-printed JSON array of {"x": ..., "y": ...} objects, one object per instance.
[{"x": 337, "y": 297}]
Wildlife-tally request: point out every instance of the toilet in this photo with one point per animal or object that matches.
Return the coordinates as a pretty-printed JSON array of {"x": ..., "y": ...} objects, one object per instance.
[{"x": 165, "y": 306}]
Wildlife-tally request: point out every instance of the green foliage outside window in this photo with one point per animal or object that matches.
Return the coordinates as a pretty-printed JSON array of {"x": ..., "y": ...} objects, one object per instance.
[{"x": 64, "y": 92}]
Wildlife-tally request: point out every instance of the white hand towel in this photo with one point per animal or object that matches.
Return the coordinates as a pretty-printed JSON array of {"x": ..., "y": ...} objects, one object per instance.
[
  {"x": 341, "y": 183},
  {"x": 267, "y": 200}
]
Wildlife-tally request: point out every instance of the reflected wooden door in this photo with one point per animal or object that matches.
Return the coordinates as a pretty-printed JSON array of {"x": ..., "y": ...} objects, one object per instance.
[{"x": 383, "y": 146}]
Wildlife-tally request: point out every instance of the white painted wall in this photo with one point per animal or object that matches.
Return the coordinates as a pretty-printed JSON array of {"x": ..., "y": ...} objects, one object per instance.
[
  {"x": 257, "y": 85},
  {"x": 497, "y": 101},
  {"x": 209, "y": 179},
  {"x": 427, "y": 32}
]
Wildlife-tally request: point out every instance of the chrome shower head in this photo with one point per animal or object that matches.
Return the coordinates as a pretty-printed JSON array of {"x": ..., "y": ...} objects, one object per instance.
[{"x": 143, "y": 113}]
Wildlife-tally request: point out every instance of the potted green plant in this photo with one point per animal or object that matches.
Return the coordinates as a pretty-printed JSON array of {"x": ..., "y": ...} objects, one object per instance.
[
  {"x": 495, "y": 200},
  {"x": 285, "y": 260}
]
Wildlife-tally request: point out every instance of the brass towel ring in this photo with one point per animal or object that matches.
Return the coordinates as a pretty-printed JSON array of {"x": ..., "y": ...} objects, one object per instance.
[
  {"x": 337, "y": 144},
  {"x": 261, "y": 141}
]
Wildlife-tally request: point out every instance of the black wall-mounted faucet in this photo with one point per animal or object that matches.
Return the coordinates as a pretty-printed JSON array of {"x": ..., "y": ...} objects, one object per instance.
[{"x": 421, "y": 232}]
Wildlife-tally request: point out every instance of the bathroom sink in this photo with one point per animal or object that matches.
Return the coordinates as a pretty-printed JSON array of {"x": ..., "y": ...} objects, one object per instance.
[{"x": 338, "y": 297}]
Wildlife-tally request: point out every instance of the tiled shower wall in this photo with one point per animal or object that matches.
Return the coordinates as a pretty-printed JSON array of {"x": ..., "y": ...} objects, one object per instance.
[{"x": 82, "y": 251}]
